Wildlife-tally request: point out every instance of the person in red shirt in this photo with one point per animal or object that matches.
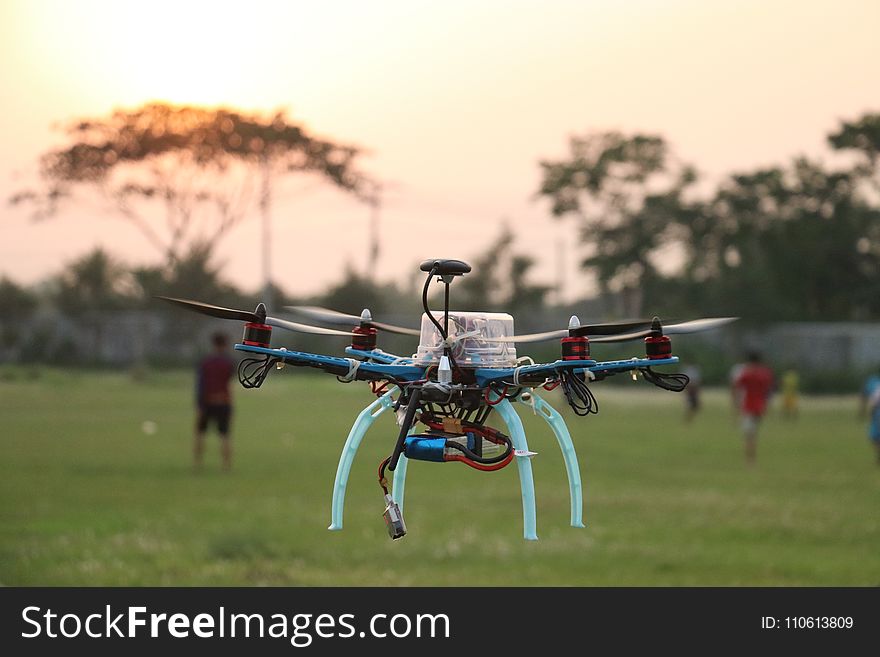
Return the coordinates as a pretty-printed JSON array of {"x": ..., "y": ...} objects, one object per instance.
[
  {"x": 752, "y": 388},
  {"x": 214, "y": 400}
]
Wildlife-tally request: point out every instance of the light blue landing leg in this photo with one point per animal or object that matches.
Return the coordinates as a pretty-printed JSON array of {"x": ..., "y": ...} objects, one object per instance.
[
  {"x": 399, "y": 484},
  {"x": 524, "y": 463},
  {"x": 560, "y": 430},
  {"x": 363, "y": 422}
]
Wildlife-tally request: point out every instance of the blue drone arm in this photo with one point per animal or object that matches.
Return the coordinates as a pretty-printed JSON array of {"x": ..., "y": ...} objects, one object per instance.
[
  {"x": 350, "y": 367},
  {"x": 536, "y": 373},
  {"x": 378, "y": 356}
]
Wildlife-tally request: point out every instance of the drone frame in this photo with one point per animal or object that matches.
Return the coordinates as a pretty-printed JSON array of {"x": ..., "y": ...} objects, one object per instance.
[
  {"x": 377, "y": 364},
  {"x": 457, "y": 423}
]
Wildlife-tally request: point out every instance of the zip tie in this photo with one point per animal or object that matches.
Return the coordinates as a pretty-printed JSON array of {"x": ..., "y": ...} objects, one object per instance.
[
  {"x": 353, "y": 366},
  {"x": 451, "y": 340}
]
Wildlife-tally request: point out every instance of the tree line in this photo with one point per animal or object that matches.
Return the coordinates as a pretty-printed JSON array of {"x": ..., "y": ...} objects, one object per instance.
[{"x": 794, "y": 242}]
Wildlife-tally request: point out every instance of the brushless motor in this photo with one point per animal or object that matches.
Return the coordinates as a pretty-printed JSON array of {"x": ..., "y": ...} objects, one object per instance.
[
  {"x": 575, "y": 348},
  {"x": 257, "y": 335},
  {"x": 659, "y": 346}
]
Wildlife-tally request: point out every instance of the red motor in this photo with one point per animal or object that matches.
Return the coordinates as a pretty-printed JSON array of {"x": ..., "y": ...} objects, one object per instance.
[
  {"x": 364, "y": 338},
  {"x": 658, "y": 346},
  {"x": 575, "y": 348},
  {"x": 257, "y": 335}
]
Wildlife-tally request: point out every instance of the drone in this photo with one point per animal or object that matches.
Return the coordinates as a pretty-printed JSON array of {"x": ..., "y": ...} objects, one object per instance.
[{"x": 465, "y": 369}]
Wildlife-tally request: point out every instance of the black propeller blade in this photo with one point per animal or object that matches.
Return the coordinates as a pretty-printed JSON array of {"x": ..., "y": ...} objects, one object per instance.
[
  {"x": 609, "y": 328},
  {"x": 693, "y": 326},
  {"x": 219, "y": 311},
  {"x": 344, "y": 319},
  {"x": 258, "y": 316}
]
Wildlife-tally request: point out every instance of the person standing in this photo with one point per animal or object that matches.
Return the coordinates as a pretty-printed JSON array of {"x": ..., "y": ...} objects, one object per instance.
[
  {"x": 870, "y": 407},
  {"x": 692, "y": 392},
  {"x": 790, "y": 393},
  {"x": 214, "y": 401},
  {"x": 752, "y": 388}
]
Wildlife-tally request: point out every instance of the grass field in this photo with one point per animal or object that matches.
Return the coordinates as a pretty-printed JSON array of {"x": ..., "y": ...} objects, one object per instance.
[{"x": 87, "y": 498}]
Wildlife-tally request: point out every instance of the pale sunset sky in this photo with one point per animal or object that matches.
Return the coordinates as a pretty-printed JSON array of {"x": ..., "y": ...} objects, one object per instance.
[{"x": 455, "y": 101}]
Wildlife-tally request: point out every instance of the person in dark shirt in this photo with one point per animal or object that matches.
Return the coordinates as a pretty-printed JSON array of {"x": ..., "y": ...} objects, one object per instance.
[{"x": 214, "y": 400}]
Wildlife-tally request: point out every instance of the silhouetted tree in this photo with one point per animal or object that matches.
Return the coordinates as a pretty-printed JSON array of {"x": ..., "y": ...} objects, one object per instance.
[
  {"x": 16, "y": 302},
  {"x": 17, "y": 306},
  {"x": 499, "y": 280},
  {"x": 356, "y": 292},
  {"x": 207, "y": 168},
  {"x": 94, "y": 283},
  {"x": 785, "y": 244},
  {"x": 194, "y": 275},
  {"x": 90, "y": 287},
  {"x": 626, "y": 192},
  {"x": 861, "y": 135}
]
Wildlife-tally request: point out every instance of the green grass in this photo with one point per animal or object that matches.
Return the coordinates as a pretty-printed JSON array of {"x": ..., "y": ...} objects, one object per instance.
[{"x": 87, "y": 498}]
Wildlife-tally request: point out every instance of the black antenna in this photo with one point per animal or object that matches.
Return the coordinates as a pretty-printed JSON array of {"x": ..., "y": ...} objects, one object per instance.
[{"x": 447, "y": 270}]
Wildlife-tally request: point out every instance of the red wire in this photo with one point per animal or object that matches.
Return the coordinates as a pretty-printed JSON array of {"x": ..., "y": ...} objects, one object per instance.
[
  {"x": 380, "y": 473},
  {"x": 488, "y": 433},
  {"x": 497, "y": 401},
  {"x": 551, "y": 386},
  {"x": 482, "y": 466}
]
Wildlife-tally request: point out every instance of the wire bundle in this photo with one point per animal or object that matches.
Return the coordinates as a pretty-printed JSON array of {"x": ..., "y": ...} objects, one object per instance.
[
  {"x": 578, "y": 394},
  {"x": 675, "y": 382},
  {"x": 253, "y": 371}
]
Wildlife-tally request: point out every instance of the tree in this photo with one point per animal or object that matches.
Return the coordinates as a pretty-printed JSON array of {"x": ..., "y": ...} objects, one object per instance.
[
  {"x": 16, "y": 302},
  {"x": 786, "y": 243},
  {"x": 94, "y": 283},
  {"x": 626, "y": 193},
  {"x": 90, "y": 287},
  {"x": 17, "y": 306},
  {"x": 499, "y": 280},
  {"x": 356, "y": 292},
  {"x": 861, "y": 136},
  {"x": 207, "y": 169},
  {"x": 194, "y": 275}
]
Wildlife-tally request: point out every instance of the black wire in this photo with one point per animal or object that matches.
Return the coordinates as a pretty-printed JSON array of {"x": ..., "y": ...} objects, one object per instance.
[
  {"x": 481, "y": 459},
  {"x": 483, "y": 415},
  {"x": 253, "y": 371},
  {"x": 425, "y": 303},
  {"x": 578, "y": 394},
  {"x": 675, "y": 382},
  {"x": 446, "y": 350}
]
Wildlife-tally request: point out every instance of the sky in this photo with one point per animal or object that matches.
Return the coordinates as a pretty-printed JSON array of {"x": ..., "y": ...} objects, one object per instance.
[{"x": 454, "y": 103}]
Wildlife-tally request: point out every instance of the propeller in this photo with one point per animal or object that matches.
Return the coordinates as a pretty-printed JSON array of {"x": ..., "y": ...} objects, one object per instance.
[
  {"x": 343, "y": 319},
  {"x": 258, "y": 316},
  {"x": 575, "y": 328},
  {"x": 657, "y": 329},
  {"x": 620, "y": 331}
]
